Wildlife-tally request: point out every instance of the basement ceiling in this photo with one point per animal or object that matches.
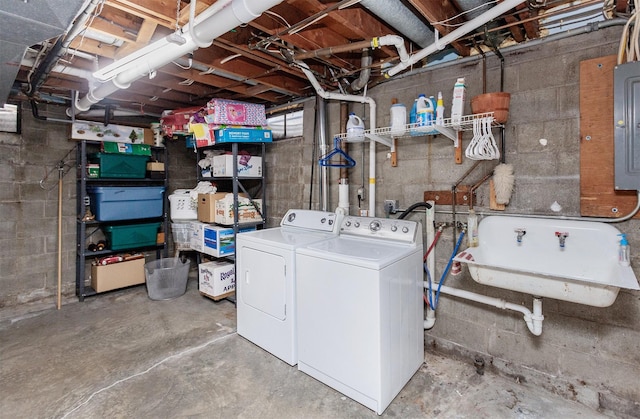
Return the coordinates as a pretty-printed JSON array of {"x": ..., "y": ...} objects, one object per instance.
[{"x": 254, "y": 62}]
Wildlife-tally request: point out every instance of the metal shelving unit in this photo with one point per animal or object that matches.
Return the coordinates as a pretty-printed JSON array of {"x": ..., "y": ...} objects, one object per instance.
[{"x": 85, "y": 226}]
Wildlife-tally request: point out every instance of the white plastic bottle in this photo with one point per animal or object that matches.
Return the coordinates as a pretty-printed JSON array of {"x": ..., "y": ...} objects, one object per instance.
[
  {"x": 355, "y": 128},
  {"x": 472, "y": 229},
  {"x": 398, "y": 119},
  {"x": 457, "y": 104},
  {"x": 440, "y": 110},
  {"x": 624, "y": 251}
]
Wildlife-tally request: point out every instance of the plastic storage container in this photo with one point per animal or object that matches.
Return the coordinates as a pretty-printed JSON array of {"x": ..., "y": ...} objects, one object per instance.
[
  {"x": 114, "y": 165},
  {"x": 113, "y": 203},
  {"x": 181, "y": 235},
  {"x": 166, "y": 278},
  {"x": 131, "y": 236},
  {"x": 182, "y": 206}
]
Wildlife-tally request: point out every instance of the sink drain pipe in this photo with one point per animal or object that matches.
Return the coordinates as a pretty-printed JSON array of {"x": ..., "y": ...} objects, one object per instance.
[{"x": 532, "y": 319}]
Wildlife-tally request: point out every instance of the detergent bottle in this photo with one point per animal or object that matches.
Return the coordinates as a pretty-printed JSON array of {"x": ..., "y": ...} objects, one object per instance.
[
  {"x": 355, "y": 128},
  {"x": 424, "y": 111},
  {"x": 623, "y": 251}
]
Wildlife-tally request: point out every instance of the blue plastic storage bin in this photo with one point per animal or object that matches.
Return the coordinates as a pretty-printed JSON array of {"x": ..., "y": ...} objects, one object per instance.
[{"x": 113, "y": 203}]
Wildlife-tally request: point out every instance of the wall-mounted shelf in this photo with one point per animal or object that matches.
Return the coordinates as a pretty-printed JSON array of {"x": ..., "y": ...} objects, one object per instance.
[{"x": 385, "y": 135}]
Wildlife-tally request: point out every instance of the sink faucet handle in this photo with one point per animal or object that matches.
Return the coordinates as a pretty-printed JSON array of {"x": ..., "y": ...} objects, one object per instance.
[
  {"x": 521, "y": 232},
  {"x": 563, "y": 235}
]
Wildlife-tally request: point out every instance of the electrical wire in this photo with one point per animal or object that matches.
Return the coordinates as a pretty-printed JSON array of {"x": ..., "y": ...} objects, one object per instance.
[
  {"x": 629, "y": 48},
  {"x": 444, "y": 22}
]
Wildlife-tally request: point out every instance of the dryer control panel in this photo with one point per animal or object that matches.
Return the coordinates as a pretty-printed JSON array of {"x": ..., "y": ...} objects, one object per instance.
[
  {"x": 382, "y": 228},
  {"x": 311, "y": 220}
]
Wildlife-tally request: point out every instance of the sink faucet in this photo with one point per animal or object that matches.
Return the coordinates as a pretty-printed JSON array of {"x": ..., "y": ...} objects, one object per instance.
[
  {"x": 521, "y": 232},
  {"x": 562, "y": 237}
]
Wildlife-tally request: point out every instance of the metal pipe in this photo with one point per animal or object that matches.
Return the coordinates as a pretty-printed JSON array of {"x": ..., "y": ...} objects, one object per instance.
[
  {"x": 560, "y": 217},
  {"x": 325, "y": 52},
  {"x": 321, "y": 115}
]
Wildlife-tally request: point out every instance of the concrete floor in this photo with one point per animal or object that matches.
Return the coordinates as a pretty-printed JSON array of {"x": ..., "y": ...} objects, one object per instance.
[{"x": 123, "y": 355}]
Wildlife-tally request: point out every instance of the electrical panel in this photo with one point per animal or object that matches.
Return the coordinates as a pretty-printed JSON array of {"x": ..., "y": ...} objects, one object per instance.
[{"x": 626, "y": 118}]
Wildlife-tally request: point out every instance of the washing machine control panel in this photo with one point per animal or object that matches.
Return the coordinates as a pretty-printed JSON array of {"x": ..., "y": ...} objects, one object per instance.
[
  {"x": 383, "y": 228},
  {"x": 311, "y": 220}
]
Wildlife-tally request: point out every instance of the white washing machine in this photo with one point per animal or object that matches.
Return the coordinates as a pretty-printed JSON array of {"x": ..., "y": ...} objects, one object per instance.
[
  {"x": 360, "y": 309},
  {"x": 265, "y": 279}
]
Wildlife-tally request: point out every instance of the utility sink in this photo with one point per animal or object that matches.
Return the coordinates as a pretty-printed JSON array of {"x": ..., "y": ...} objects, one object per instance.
[{"x": 566, "y": 260}]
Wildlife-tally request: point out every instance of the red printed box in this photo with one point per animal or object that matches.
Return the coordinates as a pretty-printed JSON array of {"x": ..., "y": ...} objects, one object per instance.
[{"x": 232, "y": 112}]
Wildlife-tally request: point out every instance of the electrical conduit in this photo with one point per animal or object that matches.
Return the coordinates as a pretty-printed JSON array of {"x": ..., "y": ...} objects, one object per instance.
[{"x": 217, "y": 20}]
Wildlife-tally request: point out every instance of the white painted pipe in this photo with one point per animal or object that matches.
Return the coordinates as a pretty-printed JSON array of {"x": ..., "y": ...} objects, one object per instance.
[
  {"x": 191, "y": 26},
  {"x": 372, "y": 112},
  {"x": 456, "y": 34},
  {"x": 430, "y": 215},
  {"x": 162, "y": 52},
  {"x": 533, "y": 320},
  {"x": 343, "y": 198}
]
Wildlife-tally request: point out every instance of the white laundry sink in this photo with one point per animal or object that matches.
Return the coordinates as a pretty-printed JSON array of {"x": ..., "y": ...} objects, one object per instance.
[{"x": 581, "y": 267}]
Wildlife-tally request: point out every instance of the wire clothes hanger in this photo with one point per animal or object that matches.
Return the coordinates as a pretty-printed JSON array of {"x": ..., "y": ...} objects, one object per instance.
[{"x": 337, "y": 151}]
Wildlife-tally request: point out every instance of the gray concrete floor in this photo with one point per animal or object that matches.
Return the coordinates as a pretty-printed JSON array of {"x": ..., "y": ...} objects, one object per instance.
[{"x": 122, "y": 355}]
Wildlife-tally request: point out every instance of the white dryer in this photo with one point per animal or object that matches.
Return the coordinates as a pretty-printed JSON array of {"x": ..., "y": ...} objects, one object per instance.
[
  {"x": 266, "y": 283},
  {"x": 360, "y": 309}
]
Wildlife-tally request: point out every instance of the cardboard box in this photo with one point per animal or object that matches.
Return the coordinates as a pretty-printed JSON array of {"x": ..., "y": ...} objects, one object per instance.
[
  {"x": 214, "y": 240},
  {"x": 216, "y": 279},
  {"x": 248, "y": 166},
  {"x": 155, "y": 166},
  {"x": 117, "y": 275},
  {"x": 247, "y": 212},
  {"x": 233, "y": 112},
  {"x": 99, "y": 132},
  {"x": 207, "y": 206},
  {"x": 210, "y": 134}
]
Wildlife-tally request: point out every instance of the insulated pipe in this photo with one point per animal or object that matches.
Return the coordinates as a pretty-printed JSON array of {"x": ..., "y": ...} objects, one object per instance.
[
  {"x": 163, "y": 51},
  {"x": 397, "y": 15},
  {"x": 532, "y": 319},
  {"x": 372, "y": 111},
  {"x": 475, "y": 23},
  {"x": 365, "y": 72}
]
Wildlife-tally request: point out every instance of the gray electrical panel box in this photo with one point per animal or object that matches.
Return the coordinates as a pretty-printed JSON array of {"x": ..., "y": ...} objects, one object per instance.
[{"x": 626, "y": 117}]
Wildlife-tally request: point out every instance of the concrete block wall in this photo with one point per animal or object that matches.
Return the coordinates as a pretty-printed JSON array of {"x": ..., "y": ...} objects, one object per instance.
[
  {"x": 29, "y": 226},
  {"x": 585, "y": 353}
]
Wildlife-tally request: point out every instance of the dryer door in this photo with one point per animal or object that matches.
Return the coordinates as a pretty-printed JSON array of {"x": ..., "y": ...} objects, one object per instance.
[{"x": 263, "y": 279}]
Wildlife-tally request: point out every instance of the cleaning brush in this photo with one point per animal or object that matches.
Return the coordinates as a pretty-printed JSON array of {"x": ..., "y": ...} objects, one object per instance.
[{"x": 503, "y": 180}]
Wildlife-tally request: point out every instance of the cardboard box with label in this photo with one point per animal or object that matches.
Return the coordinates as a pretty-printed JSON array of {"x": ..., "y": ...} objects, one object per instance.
[
  {"x": 207, "y": 205},
  {"x": 248, "y": 166},
  {"x": 117, "y": 275},
  {"x": 247, "y": 211},
  {"x": 214, "y": 240},
  {"x": 216, "y": 279}
]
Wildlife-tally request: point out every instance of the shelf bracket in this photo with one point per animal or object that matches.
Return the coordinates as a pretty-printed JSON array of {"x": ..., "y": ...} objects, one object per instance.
[
  {"x": 447, "y": 132},
  {"x": 380, "y": 140}
]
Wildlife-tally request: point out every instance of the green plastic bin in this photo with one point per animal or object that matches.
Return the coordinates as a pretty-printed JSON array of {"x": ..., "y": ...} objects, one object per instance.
[
  {"x": 131, "y": 236},
  {"x": 120, "y": 165}
]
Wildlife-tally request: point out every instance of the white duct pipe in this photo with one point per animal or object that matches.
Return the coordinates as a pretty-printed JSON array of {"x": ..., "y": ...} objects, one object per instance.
[
  {"x": 471, "y": 25},
  {"x": 215, "y": 23},
  {"x": 372, "y": 111},
  {"x": 533, "y": 320}
]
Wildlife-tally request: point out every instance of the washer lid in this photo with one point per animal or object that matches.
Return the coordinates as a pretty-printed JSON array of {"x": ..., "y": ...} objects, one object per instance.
[
  {"x": 281, "y": 237},
  {"x": 373, "y": 254}
]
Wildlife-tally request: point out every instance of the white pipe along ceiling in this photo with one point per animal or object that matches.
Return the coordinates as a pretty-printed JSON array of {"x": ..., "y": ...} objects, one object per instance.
[{"x": 210, "y": 24}]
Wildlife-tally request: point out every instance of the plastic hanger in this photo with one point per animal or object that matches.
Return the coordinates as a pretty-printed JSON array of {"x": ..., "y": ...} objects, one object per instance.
[{"x": 326, "y": 159}]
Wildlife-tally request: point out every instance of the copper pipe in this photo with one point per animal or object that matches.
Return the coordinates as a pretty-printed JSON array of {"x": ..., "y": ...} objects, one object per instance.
[{"x": 325, "y": 52}]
